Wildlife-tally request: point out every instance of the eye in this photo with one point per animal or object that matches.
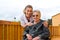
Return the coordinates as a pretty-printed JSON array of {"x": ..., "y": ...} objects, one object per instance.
[
  {"x": 36, "y": 15},
  {"x": 33, "y": 15}
]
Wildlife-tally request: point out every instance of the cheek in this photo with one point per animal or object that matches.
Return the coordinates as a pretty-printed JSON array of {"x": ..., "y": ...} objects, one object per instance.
[
  {"x": 37, "y": 18},
  {"x": 26, "y": 13},
  {"x": 33, "y": 18}
]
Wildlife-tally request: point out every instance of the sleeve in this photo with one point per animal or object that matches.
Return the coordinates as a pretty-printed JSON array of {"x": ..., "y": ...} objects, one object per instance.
[
  {"x": 45, "y": 33},
  {"x": 22, "y": 21},
  {"x": 26, "y": 31}
]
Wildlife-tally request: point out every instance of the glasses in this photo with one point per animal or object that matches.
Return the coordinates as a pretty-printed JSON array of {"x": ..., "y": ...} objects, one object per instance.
[{"x": 35, "y": 15}]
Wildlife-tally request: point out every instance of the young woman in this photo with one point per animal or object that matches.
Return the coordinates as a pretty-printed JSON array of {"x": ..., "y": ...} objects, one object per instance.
[{"x": 26, "y": 19}]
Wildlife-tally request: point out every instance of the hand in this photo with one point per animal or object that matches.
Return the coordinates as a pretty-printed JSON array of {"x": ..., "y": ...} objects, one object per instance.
[
  {"x": 29, "y": 24},
  {"x": 45, "y": 23},
  {"x": 29, "y": 37},
  {"x": 36, "y": 38}
]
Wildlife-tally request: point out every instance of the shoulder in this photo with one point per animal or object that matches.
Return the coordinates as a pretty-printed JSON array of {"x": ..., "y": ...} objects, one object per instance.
[
  {"x": 22, "y": 17},
  {"x": 43, "y": 20},
  {"x": 45, "y": 23}
]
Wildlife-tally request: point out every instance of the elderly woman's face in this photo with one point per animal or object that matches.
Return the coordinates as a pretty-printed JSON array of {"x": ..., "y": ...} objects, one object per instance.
[
  {"x": 28, "y": 12},
  {"x": 36, "y": 16}
]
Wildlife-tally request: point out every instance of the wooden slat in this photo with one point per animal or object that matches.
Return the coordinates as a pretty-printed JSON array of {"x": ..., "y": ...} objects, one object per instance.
[
  {"x": 1, "y": 32},
  {"x": 5, "y": 32},
  {"x": 19, "y": 32},
  {"x": 8, "y": 32},
  {"x": 12, "y": 32},
  {"x": 15, "y": 32}
]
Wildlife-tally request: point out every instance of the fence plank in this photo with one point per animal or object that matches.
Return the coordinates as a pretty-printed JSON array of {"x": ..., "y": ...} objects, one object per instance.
[{"x": 1, "y": 32}]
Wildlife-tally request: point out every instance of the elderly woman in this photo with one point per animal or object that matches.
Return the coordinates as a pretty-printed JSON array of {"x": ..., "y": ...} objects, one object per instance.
[{"x": 37, "y": 31}]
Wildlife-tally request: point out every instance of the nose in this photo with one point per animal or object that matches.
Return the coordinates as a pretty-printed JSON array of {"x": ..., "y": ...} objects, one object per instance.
[
  {"x": 29, "y": 12},
  {"x": 35, "y": 17}
]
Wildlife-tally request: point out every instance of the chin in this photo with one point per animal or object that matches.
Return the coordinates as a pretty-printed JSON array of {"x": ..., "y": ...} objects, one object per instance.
[
  {"x": 36, "y": 20},
  {"x": 28, "y": 15}
]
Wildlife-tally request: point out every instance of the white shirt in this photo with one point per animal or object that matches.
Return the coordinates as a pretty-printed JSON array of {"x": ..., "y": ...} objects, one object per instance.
[{"x": 24, "y": 20}]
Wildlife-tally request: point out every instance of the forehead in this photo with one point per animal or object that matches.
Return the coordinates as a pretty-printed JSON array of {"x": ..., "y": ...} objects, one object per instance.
[
  {"x": 36, "y": 13},
  {"x": 29, "y": 8}
]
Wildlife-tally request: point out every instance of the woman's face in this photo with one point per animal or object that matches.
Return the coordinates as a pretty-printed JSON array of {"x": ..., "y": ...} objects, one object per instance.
[
  {"x": 28, "y": 12},
  {"x": 36, "y": 16}
]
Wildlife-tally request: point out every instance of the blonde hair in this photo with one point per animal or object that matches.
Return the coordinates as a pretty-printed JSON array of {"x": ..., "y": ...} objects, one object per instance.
[{"x": 28, "y": 6}]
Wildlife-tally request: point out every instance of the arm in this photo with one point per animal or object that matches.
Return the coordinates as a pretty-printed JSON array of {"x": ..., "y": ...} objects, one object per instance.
[
  {"x": 25, "y": 24},
  {"x": 26, "y": 34},
  {"x": 45, "y": 33},
  {"x": 26, "y": 31},
  {"x": 41, "y": 33}
]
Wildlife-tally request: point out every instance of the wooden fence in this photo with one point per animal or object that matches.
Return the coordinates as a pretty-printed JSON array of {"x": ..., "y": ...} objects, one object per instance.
[
  {"x": 10, "y": 31},
  {"x": 54, "y": 31},
  {"x": 14, "y": 31}
]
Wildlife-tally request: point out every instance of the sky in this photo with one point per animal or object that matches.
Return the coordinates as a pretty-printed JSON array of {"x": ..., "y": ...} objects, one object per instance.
[{"x": 14, "y": 8}]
